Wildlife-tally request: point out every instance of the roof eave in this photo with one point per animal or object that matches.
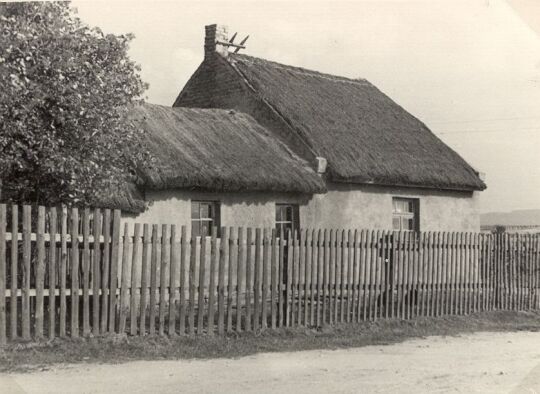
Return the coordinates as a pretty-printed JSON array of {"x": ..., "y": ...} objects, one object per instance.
[{"x": 458, "y": 188}]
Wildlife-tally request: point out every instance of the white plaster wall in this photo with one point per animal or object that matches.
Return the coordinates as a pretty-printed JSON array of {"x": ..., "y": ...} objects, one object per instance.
[
  {"x": 343, "y": 206},
  {"x": 361, "y": 206}
]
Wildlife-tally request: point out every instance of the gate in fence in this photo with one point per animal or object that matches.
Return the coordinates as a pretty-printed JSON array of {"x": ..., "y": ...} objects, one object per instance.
[{"x": 65, "y": 272}]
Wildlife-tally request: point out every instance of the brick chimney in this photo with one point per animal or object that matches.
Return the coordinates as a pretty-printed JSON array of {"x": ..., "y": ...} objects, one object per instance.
[{"x": 214, "y": 34}]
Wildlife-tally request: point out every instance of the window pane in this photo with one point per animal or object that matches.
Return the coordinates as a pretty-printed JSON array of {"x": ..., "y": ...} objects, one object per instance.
[
  {"x": 195, "y": 228},
  {"x": 289, "y": 213},
  {"x": 279, "y": 213},
  {"x": 205, "y": 228},
  {"x": 410, "y": 224},
  {"x": 396, "y": 223},
  {"x": 205, "y": 210},
  {"x": 195, "y": 210}
]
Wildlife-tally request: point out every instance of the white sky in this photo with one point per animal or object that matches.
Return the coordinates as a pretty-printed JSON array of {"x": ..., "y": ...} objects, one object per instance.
[{"x": 469, "y": 69}]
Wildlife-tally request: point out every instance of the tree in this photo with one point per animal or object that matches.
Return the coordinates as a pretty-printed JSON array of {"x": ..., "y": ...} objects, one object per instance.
[{"x": 64, "y": 104}]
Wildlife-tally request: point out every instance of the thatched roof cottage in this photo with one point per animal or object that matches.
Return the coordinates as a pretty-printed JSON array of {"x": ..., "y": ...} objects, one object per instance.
[{"x": 250, "y": 142}]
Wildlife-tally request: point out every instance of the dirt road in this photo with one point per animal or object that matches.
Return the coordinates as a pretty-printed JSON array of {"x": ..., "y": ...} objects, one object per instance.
[{"x": 481, "y": 363}]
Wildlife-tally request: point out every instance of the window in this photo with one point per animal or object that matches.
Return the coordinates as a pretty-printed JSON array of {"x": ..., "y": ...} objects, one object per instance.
[
  {"x": 287, "y": 218},
  {"x": 204, "y": 216},
  {"x": 405, "y": 214}
]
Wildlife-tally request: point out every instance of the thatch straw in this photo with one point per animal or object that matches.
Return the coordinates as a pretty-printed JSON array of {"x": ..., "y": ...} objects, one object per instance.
[
  {"x": 365, "y": 136},
  {"x": 126, "y": 197},
  {"x": 218, "y": 150}
]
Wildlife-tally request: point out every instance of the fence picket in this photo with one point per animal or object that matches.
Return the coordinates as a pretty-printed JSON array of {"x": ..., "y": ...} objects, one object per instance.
[
  {"x": 174, "y": 264},
  {"x": 144, "y": 278},
  {"x": 105, "y": 289},
  {"x": 26, "y": 272},
  {"x": 257, "y": 281},
  {"x": 281, "y": 277},
  {"x": 468, "y": 263},
  {"x": 63, "y": 271},
  {"x": 200, "y": 290},
  {"x": 191, "y": 280},
  {"x": 133, "y": 288},
  {"x": 96, "y": 268},
  {"x": 343, "y": 278},
  {"x": 365, "y": 281},
  {"x": 318, "y": 277},
  {"x": 448, "y": 272},
  {"x": 438, "y": 274},
  {"x": 348, "y": 290},
  {"x": 288, "y": 258},
  {"x": 407, "y": 274},
  {"x": 301, "y": 277},
  {"x": 529, "y": 271},
  {"x": 153, "y": 280},
  {"x": 413, "y": 276},
  {"x": 293, "y": 272},
  {"x": 124, "y": 283},
  {"x": 183, "y": 256},
  {"x": 163, "y": 283},
  {"x": 426, "y": 273},
  {"x": 115, "y": 251},
  {"x": 212, "y": 280},
  {"x": 331, "y": 275},
  {"x": 74, "y": 272},
  {"x": 40, "y": 272},
  {"x": 240, "y": 280},
  {"x": 86, "y": 272},
  {"x": 308, "y": 279},
  {"x": 3, "y": 270},
  {"x": 355, "y": 281},
  {"x": 53, "y": 220},
  {"x": 264, "y": 293},
  {"x": 223, "y": 258},
  {"x": 375, "y": 275},
  {"x": 273, "y": 280},
  {"x": 14, "y": 271},
  {"x": 249, "y": 279},
  {"x": 230, "y": 283},
  {"x": 325, "y": 259}
]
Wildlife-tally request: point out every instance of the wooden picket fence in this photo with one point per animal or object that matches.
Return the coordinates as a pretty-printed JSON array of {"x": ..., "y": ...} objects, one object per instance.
[{"x": 69, "y": 272}]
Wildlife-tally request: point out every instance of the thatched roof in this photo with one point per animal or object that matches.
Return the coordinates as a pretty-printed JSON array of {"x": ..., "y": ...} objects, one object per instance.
[
  {"x": 218, "y": 150},
  {"x": 365, "y": 136},
  {"x": 126, "y": 197}
]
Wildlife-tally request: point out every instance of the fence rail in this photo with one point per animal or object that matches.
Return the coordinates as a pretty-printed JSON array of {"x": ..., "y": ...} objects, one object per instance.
[{"x": 70, "y": 272}]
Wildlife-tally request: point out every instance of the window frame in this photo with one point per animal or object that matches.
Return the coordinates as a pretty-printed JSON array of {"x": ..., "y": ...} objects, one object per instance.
[
  {"x": 281, "y": 225},
  {"x": 215, "y": 220},
  {"x": 402, "y": 216}
]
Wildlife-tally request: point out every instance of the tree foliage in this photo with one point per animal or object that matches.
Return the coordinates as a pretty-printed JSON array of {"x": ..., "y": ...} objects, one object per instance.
[{"x": 66, "y": 93}]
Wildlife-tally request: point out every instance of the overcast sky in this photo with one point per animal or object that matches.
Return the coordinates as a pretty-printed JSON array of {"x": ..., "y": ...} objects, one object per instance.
[{"x": 469, "y": 69}]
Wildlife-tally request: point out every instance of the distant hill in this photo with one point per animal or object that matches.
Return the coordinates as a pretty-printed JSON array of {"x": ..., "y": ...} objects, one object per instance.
[{"x": 522, "y": 217}]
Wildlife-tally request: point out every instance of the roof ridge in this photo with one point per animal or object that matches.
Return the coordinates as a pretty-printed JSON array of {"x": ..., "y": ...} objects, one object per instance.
[{"x": 335, "y": 78}]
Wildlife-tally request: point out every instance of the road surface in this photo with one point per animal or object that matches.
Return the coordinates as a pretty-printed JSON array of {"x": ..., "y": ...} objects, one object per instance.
[{"x": 477, "y": 363}]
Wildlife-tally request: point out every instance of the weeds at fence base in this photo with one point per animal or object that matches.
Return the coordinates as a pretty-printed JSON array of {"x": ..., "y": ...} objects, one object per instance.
[{"x": 43, "y": 355}]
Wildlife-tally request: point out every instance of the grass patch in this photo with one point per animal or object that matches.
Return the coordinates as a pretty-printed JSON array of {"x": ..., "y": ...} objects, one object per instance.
[{"x": 120, "y": 348}]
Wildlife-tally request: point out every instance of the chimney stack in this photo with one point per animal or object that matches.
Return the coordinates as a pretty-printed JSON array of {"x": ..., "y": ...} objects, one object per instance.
[{"x": 214, "y": 34}]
